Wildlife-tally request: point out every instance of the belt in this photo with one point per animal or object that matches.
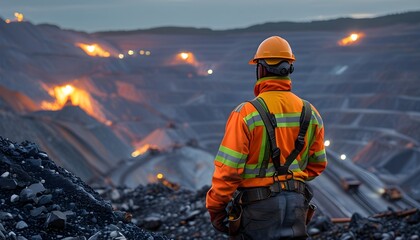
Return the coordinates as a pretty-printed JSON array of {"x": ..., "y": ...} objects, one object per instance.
[{"x": 249, "y": 195}]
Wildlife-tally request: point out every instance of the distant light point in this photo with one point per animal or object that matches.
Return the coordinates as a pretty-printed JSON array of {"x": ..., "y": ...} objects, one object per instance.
[
  {"x": 327, "y": 143},
  {"x": 19, "y": 17},
  {"x": 351, "y": 39},
  {"x": 120, "y": 56},
  {"x": 184, "y": 55},
  {"x": 343, "y": 157}
]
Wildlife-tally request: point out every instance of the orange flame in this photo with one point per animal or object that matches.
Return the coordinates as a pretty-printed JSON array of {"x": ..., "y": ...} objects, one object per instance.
[
  {"x": 93, "y": 50},
  {"x": 143, "y": 150},
  {"x": 351, "y": 39},
  {"x": 185, "y": 58},
  {"x": 68, "y": 94}
]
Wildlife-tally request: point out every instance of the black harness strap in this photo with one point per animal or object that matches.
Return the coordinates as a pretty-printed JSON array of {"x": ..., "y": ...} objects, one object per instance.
[
  {"x": 270, "y": 124},
  {"x": 305, "y": 119}
]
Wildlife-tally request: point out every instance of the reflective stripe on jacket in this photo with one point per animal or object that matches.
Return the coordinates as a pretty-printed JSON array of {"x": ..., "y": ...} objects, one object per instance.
[{"x": 241, "y": 153}]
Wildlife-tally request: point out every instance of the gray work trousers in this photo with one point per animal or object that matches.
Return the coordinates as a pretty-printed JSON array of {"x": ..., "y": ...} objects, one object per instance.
[{"x": 282, "y": 216}]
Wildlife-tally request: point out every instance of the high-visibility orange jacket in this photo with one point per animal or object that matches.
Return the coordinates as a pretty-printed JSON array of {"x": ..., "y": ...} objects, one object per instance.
[{"x": 243, "y": 147}]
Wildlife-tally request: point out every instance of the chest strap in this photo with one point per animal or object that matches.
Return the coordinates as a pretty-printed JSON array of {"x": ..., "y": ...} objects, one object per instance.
[{"x": 270, "y": 125}]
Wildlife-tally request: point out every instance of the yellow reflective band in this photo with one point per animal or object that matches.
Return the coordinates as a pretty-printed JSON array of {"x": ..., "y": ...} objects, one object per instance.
[
  {"x": 318, "y": 157},
  {"x": 252, "y": 120},
  {"x": 231, "y": 157}
]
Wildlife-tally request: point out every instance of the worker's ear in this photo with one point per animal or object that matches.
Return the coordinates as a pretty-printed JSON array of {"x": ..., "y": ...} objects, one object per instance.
[{"x": 261, "y": 71}]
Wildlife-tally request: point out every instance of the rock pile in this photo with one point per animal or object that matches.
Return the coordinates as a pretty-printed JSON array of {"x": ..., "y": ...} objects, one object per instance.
[
  {"x": 181, "y": 214},
  {"x": 390, "y": 226},
  {"x": 163, "y": 207},
  {"x": 40, "y": 200}
]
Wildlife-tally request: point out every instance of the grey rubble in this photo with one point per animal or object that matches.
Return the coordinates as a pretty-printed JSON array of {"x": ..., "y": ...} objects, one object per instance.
[{"x": 40, "y": 200}]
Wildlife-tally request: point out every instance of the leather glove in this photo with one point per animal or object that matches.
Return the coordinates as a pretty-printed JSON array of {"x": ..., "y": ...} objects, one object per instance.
[{"x": 219, "y": 221}]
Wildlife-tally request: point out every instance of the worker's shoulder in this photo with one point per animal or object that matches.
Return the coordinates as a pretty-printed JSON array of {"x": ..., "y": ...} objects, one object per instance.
[
  {"x": 316, "y": 116},
  {"x": 313, "y": 108},
  {"x": 243, "y": 107},
  {"x": 239, "y": 107}
]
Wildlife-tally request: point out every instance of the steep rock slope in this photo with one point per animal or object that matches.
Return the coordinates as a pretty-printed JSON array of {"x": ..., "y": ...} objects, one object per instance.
[{"x": 40, "y": 200}]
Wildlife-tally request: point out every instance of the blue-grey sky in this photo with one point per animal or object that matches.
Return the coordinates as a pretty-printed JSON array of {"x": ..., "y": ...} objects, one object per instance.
[{"x": 100, "y": 15}]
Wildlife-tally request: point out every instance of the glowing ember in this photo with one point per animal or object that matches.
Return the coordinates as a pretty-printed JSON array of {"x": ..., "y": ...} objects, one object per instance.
[
  {"x": 159, "y": 176},
  {"x": 93, "y": 50},
  {"x": 185, "y": 57},
  {"x": 18, "y": 17},
  {"x": 143, "y": 150},
  {"x": 352, "y": 39}
]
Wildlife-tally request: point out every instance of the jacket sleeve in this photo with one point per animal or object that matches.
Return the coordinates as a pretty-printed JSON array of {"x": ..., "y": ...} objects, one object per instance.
[
  {"x": 317, "y": 161},
  {"x": 229, "y": 163}
]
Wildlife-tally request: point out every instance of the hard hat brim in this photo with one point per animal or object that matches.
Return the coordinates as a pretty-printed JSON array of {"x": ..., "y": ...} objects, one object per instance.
[{"x": 252, "y": 61}]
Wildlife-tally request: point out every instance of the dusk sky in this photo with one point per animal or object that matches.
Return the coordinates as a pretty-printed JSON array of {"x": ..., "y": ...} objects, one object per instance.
[{"x": 100, "y": 15}]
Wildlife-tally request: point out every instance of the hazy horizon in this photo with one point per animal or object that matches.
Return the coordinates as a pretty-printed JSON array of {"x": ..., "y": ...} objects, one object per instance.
[{"x": 108, "y": 15}]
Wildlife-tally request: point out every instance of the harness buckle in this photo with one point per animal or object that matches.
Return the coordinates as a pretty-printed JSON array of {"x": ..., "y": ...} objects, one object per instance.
[
  {"x": 301, "y": 138},
  {"x": 300, "y": 141}
]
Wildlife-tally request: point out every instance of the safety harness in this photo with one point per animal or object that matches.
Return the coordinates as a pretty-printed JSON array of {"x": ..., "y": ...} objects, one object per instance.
[{"x": 249, "y": 195}]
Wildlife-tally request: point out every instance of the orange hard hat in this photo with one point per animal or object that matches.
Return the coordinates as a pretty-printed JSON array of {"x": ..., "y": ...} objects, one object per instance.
[{"x": 273, "y": 50}]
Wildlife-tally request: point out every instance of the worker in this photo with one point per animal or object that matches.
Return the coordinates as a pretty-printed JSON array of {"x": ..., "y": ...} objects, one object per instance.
[{"x": 273, "y": 200}]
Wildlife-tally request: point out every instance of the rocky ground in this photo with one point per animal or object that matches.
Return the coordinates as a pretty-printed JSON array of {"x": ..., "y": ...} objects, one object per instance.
[
  {"x": 164, "y": 207},
  {"x": 181, "y": 214},
  {"x": 40, "y": 200}
]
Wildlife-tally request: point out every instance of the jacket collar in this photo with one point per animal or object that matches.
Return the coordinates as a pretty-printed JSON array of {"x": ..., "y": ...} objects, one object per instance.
[{"x": 272, "y": 84}]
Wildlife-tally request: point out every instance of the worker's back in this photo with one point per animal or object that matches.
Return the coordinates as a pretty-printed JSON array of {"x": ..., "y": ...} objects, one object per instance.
[{"x": 272, "y": 197}]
